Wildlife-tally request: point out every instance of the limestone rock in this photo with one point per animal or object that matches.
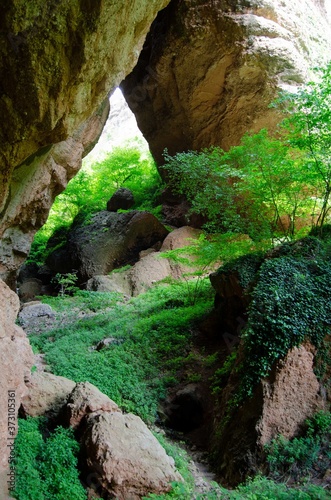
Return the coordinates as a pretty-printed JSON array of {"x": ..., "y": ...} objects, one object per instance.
[
  {"x": 180, "y": 238},
  {"x": 59, "y": 61},
  {"x": 148, "y": 271},
  {"x": 37, "y": 182},
  {"x": 209, "y": 69},
  {"x": 16, "y": 360},
  {"x": 115, "y": 282},
  {"x": 84, "y": 399},
  {"x": 121, "y": 199},
  {"x": 34, "y": 309},
  {"x": 109, "y": 241},
  {"x": 47, "y": 394},
  {"x": 126, "y": 458}
]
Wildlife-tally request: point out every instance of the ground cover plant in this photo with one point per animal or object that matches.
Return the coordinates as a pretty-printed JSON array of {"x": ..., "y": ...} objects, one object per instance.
[
  {"x": 46, "y": 465},
  {"x": 306, "y": 456},
  {"x": 150, "y": 336}
]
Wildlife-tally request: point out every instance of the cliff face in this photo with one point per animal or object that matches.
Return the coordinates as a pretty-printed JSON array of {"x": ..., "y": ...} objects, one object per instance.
[
  {"x": 58, "y": 62},
  {"x": 209, "y": 69}
]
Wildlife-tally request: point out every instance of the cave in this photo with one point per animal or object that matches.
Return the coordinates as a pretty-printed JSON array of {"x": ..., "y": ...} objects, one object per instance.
[{"x": 195, "y": 73}]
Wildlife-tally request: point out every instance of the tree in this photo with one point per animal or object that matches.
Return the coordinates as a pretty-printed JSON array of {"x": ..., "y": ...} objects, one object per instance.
[{"x": 308, "y": 126}]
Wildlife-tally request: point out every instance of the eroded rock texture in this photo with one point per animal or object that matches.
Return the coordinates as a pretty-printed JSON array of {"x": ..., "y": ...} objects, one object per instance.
[
  {"x": 59, "y": 60},
  {"x": 280, "y": 405},
  {"x": 209, "y": 69},
  {"x": 16, "y": 359}
]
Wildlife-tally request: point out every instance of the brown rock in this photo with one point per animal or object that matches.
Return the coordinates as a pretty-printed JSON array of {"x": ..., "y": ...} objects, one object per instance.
[
  {"x": 148, "y": 271},
  {"x": 47, "y": 394},
  {"x": 180, "y": 238},
  {"x": 209, "y": 69},
  {"x": 291, "y": 398},
  {"x": 280, "y": 405},
  {"x": 16, "y": 360},
  {"x": 59, "y": 61},
  {"x": 126, "y": 458},
  {"x": 116, "y": 282},
  {"x": 85, "y": 399}
]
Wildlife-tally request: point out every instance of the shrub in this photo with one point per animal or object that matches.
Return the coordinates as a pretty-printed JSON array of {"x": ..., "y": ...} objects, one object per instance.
[
  {"x": 308, "y": 455},
  {"x": 46, "y": 468}
]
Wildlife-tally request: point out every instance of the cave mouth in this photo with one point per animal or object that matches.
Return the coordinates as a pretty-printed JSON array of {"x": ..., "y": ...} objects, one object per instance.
[{"x": 185, "y": 411}]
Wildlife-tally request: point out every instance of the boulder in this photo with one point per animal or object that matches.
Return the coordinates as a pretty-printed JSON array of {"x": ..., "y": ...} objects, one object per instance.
[
  {"x": 180, "y": 238},
  {"x": 47, "y": 394},
  {"x": 122, "y": 199},
  {"x": 30, "y": 289},
  {"x": 110, "y": 240},
  {"x": 16, "y": 360},
  {"x": 32, "y": 312},
  {"x": 124, "y": 457},
  {"x": 84, "y": 399},
  {"x": 115, "y": 282},
  {"x": 148, "y": 271}
]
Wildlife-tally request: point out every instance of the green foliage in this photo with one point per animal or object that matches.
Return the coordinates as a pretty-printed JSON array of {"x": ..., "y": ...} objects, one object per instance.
[
  {"x": 309, "y": 129},
  {"x": 248, "y": 189},
  {"x": 246, "y": 267},
  {"x": 46, "y": 469},
  {"x": 290, "y": 304},
  {"x": 135, "y": 369},
  {"x": 66, "y": 283},
  {"x": 91, "y": 188},
  {"x": 308, "y": 455}
]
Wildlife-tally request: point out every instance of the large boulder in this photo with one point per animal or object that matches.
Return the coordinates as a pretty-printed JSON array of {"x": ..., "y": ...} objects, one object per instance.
[
  {"x": 16, "y": 360},
  {"x": 109, "y": 241},
  {"x": 210, "y": 68},
  {"x": 125, "y": 459},
  {"x": 47, "y": 394},
  {"x": 122, "y": 199},
  {"x": 84, "y": 399},
  {"x": 150, "y": 269}
]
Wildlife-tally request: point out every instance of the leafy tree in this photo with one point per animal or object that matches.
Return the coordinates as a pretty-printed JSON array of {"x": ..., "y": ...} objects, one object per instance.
[
  {"x": 309, "y": 127},
  {"x": 249, "y": 189},
  {"x": 91, "y": 188}
]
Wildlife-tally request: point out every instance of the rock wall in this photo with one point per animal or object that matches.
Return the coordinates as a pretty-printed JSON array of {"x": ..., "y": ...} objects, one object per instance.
[
  {"x": 210, "y": 68},
  {"x": 16, "y": 360},
  {"x": 59, "y": 60}
]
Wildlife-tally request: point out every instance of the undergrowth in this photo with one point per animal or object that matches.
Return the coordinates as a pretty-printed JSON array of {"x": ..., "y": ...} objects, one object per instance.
[
  {"x": 46, "y": 466},
  {"x": 150, "y": 337},
  {"x": 290, "y": 304},
  {"x": 307, "y": 456}
]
